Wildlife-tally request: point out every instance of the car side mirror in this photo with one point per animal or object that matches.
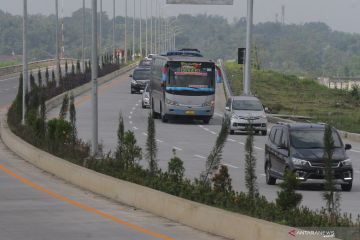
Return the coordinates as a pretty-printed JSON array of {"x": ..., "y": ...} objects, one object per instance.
[
  {"x": 141, "y": 91},
  {"x": 130, "y": 75},
  {"x": 227, "y": 108},
  {"x": 266, "y": 109},
  {"x": 348, "y": 146}
]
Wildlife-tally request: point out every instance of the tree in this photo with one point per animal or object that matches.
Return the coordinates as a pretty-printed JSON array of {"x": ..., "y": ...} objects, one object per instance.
[
  {"x": 132, "y": 152},
  {"x": 214, "y": 159},
  {"x": 331, "y": 196},
  {"x": 250, "y": 165},
  {"x": 47, "y": 76},
  {"x": 39, "y": 78},
  {"x": 151, "y": 148},
  {"x": 72, "y": 112},
  {"x": 64, "y": 107},
  {"x": 287, "y": 198},
  {"x": 72, "y": 69},
  {"x": 222, "y": 180},
  {"x": 66, "y": 68},
  {"x": 176, "y": 168},
  {"x": 120, "y": 135}
]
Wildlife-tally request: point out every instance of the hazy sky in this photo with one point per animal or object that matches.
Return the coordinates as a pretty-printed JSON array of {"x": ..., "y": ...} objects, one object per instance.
[{"x": 343, "y": 15}]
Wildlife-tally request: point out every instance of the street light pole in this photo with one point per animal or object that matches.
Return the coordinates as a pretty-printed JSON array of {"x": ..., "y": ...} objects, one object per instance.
[
  {"x": 133, "y": 40},
  {"x": 249, "y": 23},
  {"x": 126, "y": 52},
  {"x": 100, "y": 29},
  {"x": 83, "y": 38},
  {"x": 57, "y": 71},
  {"x": 113, "y": 30},
  {"x": 151, "y": 27},
  {"x": 25, "y": 63},
  {"x": 94, "y": 72},
  {"x": 140, "y": 29},
  {"x": 146, "y": 27}
]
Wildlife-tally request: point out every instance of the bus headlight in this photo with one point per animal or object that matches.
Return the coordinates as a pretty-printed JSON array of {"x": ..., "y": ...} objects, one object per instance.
[
  {"x": 171, "y": 102},
  {"x": 208, "y": 104}
]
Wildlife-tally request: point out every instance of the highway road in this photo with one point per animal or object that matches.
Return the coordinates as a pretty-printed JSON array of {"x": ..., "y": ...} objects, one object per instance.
[
  {"x": 35, "y": 205},
  {"x": 193, "y": 141}
]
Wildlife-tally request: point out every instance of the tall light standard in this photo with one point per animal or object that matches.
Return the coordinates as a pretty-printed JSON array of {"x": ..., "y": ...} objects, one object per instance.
[
  {"x": 140, "y": 28},
  {"x": 100, "y": 29},
  {"x": 151, "y": 27},
  {"x": 57, "y": 71},
  {"x": 155, "y": 27},
  {"x": 146, "y": 27},
  {"x": 83, "y": 38},
  {"x": 133, "y": 40},
  {"x": 94, "y": 72},
  {"x": 25, "y": 63},
  {"x": 113, "y": 28},
  {"x": 249, "y": 23},
  {"x": 126, "y": 52}
]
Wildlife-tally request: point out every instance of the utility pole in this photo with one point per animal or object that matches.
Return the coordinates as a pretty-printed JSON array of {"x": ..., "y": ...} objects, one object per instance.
[
  {"x": 249, "y": 22},
  {"x": 94, "y": 72},
  {"x": 155, "y": 27},
  {"x": 140, "y": 29},
  {"x": 146, "y": 27},
  {"x": 113, "y": 30},
  {"x": 57, "y": 69},
  {"x": 100, "y": 29},
  {"x": 25, "y": 62},
  {"x": 126, "y": 52},
  {"x": 151, "y": 27},
  {"x": 133, "y": 40},
  {"x": 83, "y": 38}
]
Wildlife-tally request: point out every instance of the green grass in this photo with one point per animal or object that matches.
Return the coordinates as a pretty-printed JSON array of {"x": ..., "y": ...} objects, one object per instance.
[
  {"x": 9, "y": 63},
  {"x": 287, "y": 94}
]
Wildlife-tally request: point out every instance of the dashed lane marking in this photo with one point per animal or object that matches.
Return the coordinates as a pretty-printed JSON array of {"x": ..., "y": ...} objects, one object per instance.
[
  {"x": 258, "y": 148},
  {"x": 130, "y": 122},
  {"x": 129, "y": 117},
  {"x": 199, "y": 156},
  {"x": 137, "y": 104},
  {"x": 231, "y": 140},
  {"x": 144, "y": 133},
  {"x": 177, "y": 148},
  {"x": 212, "y": 132},
  {"x": 206, "y": 129},
  {"x": 83, "y": 206},
  {"x": 241, "y": 143},
  {"x": 160, "y": 141},
  {"x": 352, "y": 150},
  {"x": 135, "y": 128},
  {"x": 131, "y": 112},
  {"x": 229, "y": 165}
]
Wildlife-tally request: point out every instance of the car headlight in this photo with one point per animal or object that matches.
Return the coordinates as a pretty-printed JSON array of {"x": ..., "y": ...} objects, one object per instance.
[
  {"x": 300, "y": 162},
  {"x": 208, "y": 104},
  {"x": 146, "y": 98},
  {"x": 346, "y": 162},
  {"x": 171, "y": 102},
  {"x": 263, "y": 116},
  {"x": 234, "y": 116},
  {"x": 133, "y": 82}
]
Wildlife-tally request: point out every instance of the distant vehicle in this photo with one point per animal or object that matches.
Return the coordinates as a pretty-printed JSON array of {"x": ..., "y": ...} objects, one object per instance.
[
  {"x": 183, "y": 53},
  {"x": 189, "y": 49},
  {"x": 182, "y": 87},
  {"x": 145, "y": 102},
  {"x": 139, "y": 78},
  {"x": 145, "y": 63},
  {"x": 244, "y": 111},
  {"x": 299, "y": 147},
  {"x": 150, "y": 56}
]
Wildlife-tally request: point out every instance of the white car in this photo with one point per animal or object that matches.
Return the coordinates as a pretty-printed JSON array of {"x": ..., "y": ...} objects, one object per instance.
[
  {"x": 145, "y": 102},
  {"x": 245, "y": 111}
]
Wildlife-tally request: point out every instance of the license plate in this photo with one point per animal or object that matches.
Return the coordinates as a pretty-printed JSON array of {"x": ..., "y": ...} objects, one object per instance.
[{"x": 190, "y": 112}]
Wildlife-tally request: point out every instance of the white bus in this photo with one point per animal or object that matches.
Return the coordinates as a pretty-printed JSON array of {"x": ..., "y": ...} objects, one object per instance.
[{"x": 182, "y": 87}]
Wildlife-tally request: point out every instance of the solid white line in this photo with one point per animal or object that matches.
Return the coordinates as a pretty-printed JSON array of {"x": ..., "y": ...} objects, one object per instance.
[
  {"x": 258, "y": 148},
  {"x": 160, "y": 141},
  {"x": 177, "y": 148},
  {"x": 144, "y": 133},
  {"x": 231, "y": 140},
  {"x": 213, "y": 132},
  {"x": 135, "y": 128},
  {"x": 354, "y": 151},
  {"x": 199, "y": 156},
  {"x": 229, "y": 165},
  {"x": 130, "y": 122}
]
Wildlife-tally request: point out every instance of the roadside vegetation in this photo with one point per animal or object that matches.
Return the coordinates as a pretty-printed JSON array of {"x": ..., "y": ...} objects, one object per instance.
[
  {"x": 9, "y": 63},
  {"x": 287, "y": 94}
]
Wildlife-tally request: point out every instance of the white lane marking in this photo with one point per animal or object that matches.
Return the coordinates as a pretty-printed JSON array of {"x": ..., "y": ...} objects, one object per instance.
[
  {"x": 241, "y": 143},
  {"x": 129, "y": 117},
  {"x": 15, "y": 87},
  {"x": 229, "y": 165},
  {"x": 160, "y": 141},
  {"x": 139, "y": 101},
  {"x": 263, "y": 174},
  {"x": 212, "y": 132},
  {"x": 131, "y": 113},
  {"x": 144, "y": 133},
  {"x": 177, "y": 148},
  {"x": 201, "y": 126},
  {"x": 130, "y": 122},
  {"x": 218, "y": 114},
  {"x": 206, "y": 129},
  {"x": 352, "y": 150},
  {"x": 135, "y": 128},
  {"x": 137, "y": 104},
  {"x": 231, "y": 140},
  {"x": 199, "y": 156},
  {"x": 258, "y": 148},
  {"x": 6, "y": 89},
  {"x": 133, "y": 108}
]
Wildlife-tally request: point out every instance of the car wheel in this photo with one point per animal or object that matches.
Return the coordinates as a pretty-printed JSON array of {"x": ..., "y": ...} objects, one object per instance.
[
  {"x": 269, "y": 179},
  {"x": 346, "y": 187},
  {"x": 142, "y": 105},
  {"x": 264, "y": 133},
  {"x": 232, "y": 132},
  {"x": 132, "y": 92},
  {"x": 153, "y": 113},
  {"x": 206, "y": 120}
]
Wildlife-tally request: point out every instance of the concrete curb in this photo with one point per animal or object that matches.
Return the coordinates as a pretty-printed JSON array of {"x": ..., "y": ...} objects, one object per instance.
[{"x": 209, "y": 219}]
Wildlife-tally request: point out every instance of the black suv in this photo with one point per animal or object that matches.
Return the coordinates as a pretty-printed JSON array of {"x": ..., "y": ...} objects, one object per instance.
[{"x": 299, "y": 147}]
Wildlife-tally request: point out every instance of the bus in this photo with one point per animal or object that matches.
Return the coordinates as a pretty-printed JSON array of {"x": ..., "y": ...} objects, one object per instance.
[{"x": 182, "y": 86}]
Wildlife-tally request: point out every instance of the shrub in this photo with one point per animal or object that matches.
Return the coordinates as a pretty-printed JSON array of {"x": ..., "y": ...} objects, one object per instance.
[
  {"x": 287, "y": 198},
  {"x": 176, "y": 168}
]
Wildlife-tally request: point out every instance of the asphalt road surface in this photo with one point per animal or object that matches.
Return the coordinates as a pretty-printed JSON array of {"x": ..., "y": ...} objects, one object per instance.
[
  {"x": 36, "y": 205},
  {"x": 193, "y": 141}
]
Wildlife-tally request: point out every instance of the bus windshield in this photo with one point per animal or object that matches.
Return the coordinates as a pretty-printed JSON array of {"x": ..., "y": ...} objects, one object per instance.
[{"x": 191, "y": 76}]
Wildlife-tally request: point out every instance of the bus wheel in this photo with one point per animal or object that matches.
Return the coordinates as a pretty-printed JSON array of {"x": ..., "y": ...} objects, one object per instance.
[
  {"x": 154, "y": 114},
  {"x": 164, "y": 119},
  {"x": 206, "y": 120}
]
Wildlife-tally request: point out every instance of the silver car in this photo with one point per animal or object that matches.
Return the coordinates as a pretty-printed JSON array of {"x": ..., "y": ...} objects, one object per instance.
[
  {"x": 145, "y": 102},
  {"x": 244, "y": 111}
]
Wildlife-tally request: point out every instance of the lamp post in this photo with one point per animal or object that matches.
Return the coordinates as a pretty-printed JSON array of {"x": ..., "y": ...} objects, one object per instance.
[
  {"x": 146, "y": 28},
  {"x": 140, "y": 37},
  {"x": 113, "y": 31},
  {"x": 57, "y": 71},
  {"x": 133, "y": 40},
  {"x": 94, "y": 72},
  {"x": 125, "y": 42},
  {"x": 83, "y": 38},
  {"x": 249, "y": 23},
  {"x": 25, "y": 62}
]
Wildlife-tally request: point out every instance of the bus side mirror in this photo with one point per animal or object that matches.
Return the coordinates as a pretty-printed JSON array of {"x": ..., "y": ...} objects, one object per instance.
[
  {"x": 227, "y": 108},
  {"x": 348, "y": 146},
  {"x": 130, "y": 75},
  {"x": 162, "y": 84}
]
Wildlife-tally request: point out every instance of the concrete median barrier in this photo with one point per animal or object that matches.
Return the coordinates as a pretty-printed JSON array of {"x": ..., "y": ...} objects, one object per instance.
[{"x": 209, "y": 219}]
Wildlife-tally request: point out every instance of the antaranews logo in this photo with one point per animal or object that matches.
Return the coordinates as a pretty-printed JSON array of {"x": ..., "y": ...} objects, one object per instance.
[{"x": 292, "y": 232}]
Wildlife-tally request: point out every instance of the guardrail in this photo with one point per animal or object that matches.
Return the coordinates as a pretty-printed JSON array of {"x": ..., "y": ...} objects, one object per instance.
[
  {"x": 32, "y": 65},
  {"x": 227, "y": 87}
]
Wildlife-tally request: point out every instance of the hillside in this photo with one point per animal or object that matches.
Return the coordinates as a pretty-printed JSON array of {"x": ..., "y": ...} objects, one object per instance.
[{"x": 287, "y": 94}]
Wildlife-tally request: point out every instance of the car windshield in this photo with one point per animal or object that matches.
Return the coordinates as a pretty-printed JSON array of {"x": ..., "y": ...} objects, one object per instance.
[
  {"x": 249, "y": 105},
  {"x": 145, "y": 63},
  {"x": 141, "y": 74},
  {"x": 307, "y": 139}
]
